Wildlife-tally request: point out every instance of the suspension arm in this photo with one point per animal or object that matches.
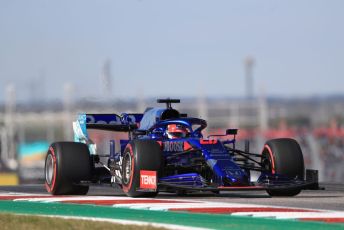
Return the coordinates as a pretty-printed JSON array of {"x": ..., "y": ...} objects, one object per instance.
[{"x": 245, "y": 154}]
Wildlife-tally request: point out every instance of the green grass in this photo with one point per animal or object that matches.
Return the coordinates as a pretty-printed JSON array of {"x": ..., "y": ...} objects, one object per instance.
[{"x": 27, "y": 222}]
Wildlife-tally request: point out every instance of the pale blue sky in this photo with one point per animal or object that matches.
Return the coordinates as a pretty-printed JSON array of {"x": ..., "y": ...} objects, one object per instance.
[{"x": 172, "y": 48}]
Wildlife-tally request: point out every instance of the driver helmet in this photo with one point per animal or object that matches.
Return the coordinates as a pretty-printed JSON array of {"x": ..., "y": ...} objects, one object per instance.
[{"x": 176, "y": 131}]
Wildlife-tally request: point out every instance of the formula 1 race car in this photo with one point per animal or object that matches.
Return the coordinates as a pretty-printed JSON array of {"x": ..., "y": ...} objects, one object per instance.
[{"x": 164, "y": 150}]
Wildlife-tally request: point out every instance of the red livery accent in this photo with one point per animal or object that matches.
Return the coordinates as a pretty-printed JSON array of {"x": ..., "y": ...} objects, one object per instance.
[
  {"x": 160, "y": 143},
  {"x": 187, "y": 146},
  {"x": 148, "y": 179},
  {"x": 208, "y": 142}
]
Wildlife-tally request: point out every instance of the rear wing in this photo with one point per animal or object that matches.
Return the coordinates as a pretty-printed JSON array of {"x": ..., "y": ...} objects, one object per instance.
[
  {"x": 110, "y": 122},
  {"x": 113, "y": 122}
]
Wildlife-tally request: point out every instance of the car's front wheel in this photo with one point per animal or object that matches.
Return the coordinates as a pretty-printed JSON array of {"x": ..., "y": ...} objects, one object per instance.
[{"x": 283, "y": 156}]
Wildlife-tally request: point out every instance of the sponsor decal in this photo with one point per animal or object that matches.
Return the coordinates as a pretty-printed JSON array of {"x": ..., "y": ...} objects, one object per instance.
[
  {"x": 148, "y": 180},
  {"x": 173, "y": 146},
  {"x": 208, "y": 142},
  {"x": 103, "y": 119}
]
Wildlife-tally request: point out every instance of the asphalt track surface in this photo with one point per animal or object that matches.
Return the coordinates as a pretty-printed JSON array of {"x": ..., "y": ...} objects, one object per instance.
[{"x": 332, "y": 198}]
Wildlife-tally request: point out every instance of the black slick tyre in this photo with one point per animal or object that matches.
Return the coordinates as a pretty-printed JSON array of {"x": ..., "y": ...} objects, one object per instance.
[
  {"x": 66, "y": 164},
  {"x": 140, "y": 155},
  {"x": 283, "y": 156}
]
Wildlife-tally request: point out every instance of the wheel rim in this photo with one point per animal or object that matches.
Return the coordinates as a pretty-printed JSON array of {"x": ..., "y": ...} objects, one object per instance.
[
  {"x": 49, "y": 169},
  {"x": 127, "y": 168},
  {"x": 266, "y": 162}
]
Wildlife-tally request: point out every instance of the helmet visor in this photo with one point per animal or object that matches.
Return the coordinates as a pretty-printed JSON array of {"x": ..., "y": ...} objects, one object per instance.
[{"x": 177, "y": 134}]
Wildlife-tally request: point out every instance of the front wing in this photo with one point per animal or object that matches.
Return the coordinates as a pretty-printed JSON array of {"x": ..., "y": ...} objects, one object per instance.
[
  {"x": 311, "y": 183},
  {"x": 253, "y": 187}
]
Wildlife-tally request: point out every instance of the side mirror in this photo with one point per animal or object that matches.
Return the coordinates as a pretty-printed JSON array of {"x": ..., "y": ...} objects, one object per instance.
[{"x": 231, "y": 131}]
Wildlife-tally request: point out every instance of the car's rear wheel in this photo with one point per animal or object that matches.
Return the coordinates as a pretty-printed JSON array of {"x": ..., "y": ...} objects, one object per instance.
[
  {"x": 66, "y": 165},
  {"x": 283, "y": 156},
  {"x": 140, "y": 155}
]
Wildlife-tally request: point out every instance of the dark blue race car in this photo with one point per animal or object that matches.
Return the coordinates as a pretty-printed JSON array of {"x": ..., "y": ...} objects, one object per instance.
[{"x": 166, "y": 151}]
